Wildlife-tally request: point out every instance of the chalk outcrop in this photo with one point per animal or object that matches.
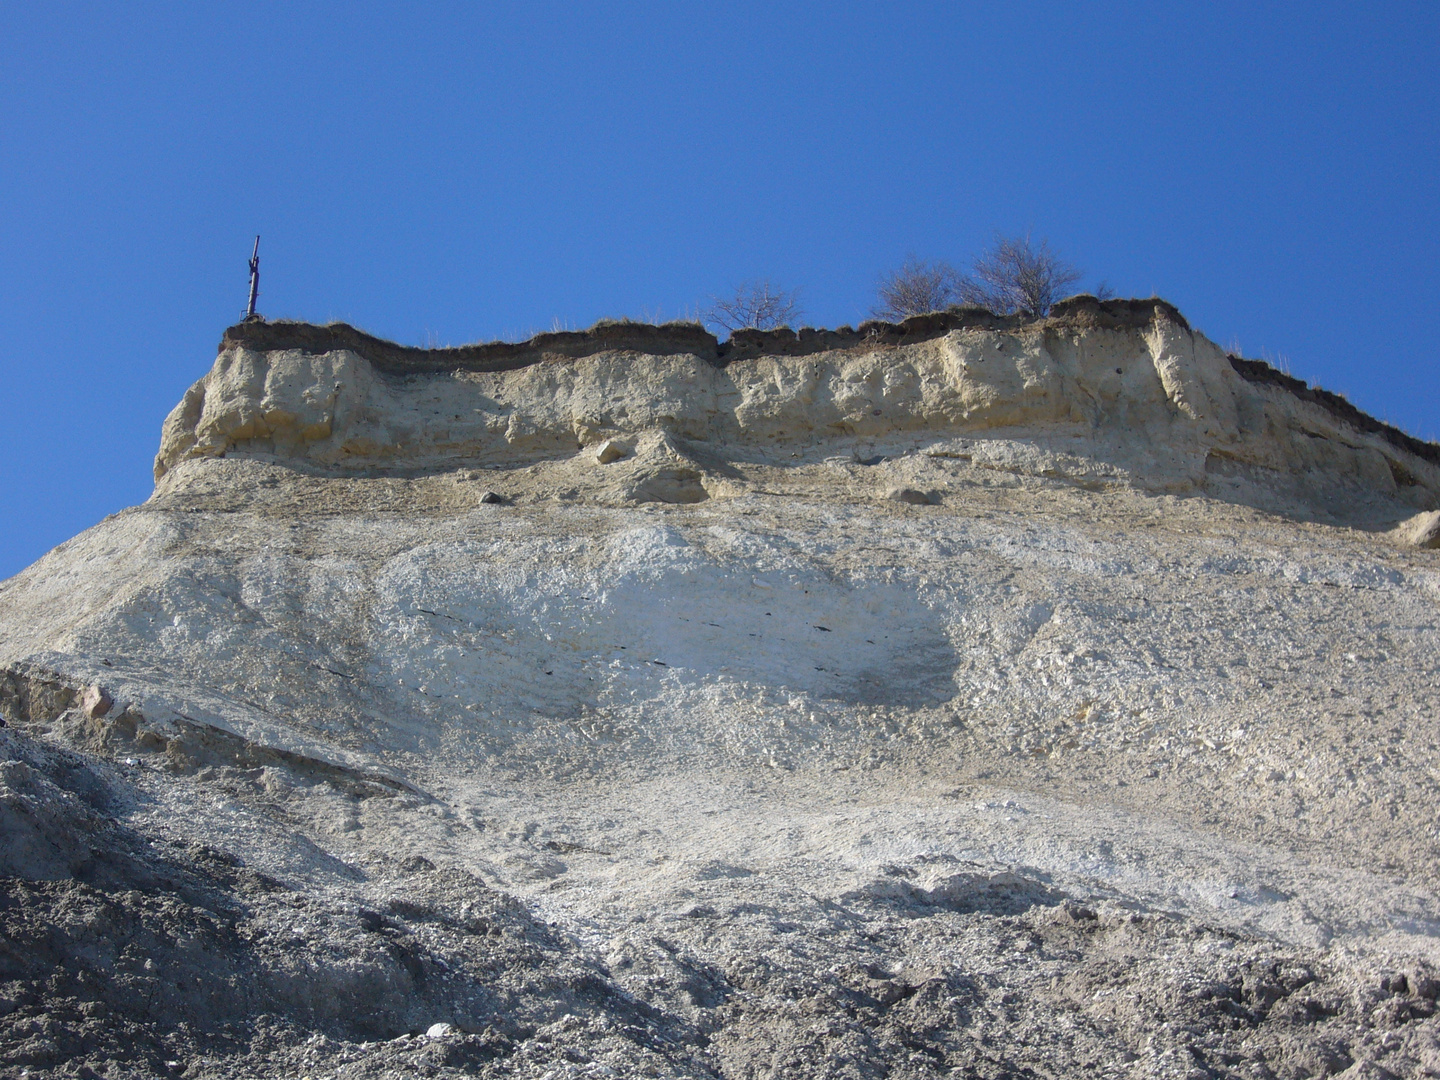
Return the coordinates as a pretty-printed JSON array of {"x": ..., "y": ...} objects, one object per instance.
[
  {"x": 1132, "y": 395},
  {"x": 1423, "y": 530},
  {"x": 966, "y": 697}
]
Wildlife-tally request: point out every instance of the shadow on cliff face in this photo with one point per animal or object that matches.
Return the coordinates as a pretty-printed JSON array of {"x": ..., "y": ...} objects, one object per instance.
[
  {"x": 1370, "y": 504},
  {"x": 856, "y": 642},
  {"x": 653, "y": 613},
  {"x": 955, "y": 886}
]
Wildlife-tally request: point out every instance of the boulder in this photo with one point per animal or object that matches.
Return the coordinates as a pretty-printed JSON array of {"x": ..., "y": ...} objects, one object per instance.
[
  {"x": 1422, "y": 530},
  {"x": 609, "y": 451},
  {"x": 913, "y": 496},
  {"x": 95, "y": 702}
]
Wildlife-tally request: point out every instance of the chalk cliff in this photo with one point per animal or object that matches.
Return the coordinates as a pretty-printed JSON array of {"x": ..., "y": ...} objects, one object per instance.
[
  {"x": 1121, "y": 391},
  {"x": 970, "y": 696}
]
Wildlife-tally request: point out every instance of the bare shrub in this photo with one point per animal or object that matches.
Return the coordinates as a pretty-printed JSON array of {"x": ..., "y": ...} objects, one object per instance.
[
  {"x": 756, "y": 305},
  {"x": 1016, "y": 277},
  {"x": 917, "y": 288}
]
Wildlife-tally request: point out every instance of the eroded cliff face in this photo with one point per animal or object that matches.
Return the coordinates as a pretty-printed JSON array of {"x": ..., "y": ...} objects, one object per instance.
[
  {"x": 967, "y": 697},
  {"x": 1147, "y": 401}
]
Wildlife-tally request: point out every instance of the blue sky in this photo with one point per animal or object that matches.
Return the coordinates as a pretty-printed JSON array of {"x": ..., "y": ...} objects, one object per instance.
[{"x": 443, "y": 173}]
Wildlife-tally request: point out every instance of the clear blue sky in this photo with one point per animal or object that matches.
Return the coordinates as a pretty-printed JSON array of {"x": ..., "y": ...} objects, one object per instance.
[{"x": 453, "y": 172}]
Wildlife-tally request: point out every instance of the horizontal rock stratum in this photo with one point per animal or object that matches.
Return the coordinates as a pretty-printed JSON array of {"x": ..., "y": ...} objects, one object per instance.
[
  {"x": 968, "y": 697},
  {"x": 1125, "y": 384}
]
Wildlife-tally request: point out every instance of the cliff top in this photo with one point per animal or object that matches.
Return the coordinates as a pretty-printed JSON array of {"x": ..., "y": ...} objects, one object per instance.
[
  {"x": 692, "y": 339},
  {"x": 689, "y": 338}
]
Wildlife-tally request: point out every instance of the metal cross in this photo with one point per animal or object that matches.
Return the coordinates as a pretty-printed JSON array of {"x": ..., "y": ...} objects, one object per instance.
[{"x": 254, "y": 281}]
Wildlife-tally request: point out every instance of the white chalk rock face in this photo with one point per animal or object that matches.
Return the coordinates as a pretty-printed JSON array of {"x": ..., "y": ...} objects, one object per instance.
[
  {"x": 1161, "y": 402},
  {"x": 973, "y": 696},
  {"x": 1423, "y": 530}
]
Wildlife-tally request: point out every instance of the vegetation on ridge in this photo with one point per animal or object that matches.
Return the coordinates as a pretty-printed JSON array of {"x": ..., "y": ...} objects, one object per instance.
[
  {"x": 1011, "y": 277},
  {"x": 755, "y": 305}
]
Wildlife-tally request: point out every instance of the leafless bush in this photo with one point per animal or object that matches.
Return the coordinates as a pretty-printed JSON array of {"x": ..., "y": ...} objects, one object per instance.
[
  {"x": 1014, "y": 276},
  {"x": 756, "y": 305},
  {"x": 917, "y": 288}
]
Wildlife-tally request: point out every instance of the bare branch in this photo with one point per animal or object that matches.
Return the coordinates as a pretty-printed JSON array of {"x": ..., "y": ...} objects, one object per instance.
[
  {"x": 756, "y": 305},
  {"x": 917, "y": 288},
  {"x": 1014, "y": 276}
]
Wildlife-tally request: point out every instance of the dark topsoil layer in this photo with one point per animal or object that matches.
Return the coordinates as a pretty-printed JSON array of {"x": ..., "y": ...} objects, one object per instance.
[{"x": 694, "y": 340}]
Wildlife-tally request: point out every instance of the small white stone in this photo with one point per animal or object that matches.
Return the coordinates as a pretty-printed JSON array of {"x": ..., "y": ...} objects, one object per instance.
[
  {"x": 439, "y": 1031},
  {"x": 609, "y": 451}
]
